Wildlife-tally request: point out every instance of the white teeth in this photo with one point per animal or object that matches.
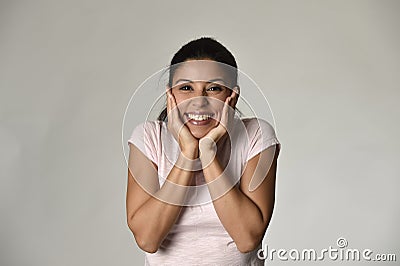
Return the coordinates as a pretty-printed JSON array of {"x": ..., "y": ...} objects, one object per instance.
[{"x": 198, "y": 117}]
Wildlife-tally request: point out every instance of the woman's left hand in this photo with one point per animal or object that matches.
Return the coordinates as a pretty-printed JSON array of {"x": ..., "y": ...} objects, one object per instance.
[{"x": 206, "y": 144}]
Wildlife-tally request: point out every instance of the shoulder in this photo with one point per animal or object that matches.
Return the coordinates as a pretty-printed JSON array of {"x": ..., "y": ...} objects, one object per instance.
[
  {"x": 146, "y": 132},
  {"x": 146, "y": 137},
  {"x": 255, "y": 126},
  {"x": 147, "y": 128},
  {"x": 261, "y": 135}
]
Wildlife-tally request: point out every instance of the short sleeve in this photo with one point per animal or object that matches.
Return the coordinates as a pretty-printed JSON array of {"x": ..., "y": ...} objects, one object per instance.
[
  {"x": 144, "y": 137},
  {"x": 261, "y": 135}
]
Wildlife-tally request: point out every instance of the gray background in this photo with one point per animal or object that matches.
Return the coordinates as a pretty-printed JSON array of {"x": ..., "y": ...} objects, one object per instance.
[{"x": 68, "y": 68}]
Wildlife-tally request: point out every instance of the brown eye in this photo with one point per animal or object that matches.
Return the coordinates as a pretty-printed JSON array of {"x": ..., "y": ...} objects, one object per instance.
[
  {"x": 185, "y": 88},
  {"x": 215, "y": 88}
]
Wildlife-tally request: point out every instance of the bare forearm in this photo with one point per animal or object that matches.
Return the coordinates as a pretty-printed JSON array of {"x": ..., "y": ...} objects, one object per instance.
[
  {"x": 241, "y": 218},
  {"x": 155, "y": 218}
]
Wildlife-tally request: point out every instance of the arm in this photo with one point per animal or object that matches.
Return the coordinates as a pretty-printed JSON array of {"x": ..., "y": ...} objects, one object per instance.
[
  {"x": 151, "y": 216},
  {"x": 244, "y": 213}
]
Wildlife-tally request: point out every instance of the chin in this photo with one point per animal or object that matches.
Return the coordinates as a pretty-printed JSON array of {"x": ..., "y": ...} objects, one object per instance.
[{"x": 198, "y": 135}]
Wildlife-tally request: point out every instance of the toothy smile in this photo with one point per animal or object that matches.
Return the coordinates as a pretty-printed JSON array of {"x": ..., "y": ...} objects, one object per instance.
[{"x": 199, "y": 117}]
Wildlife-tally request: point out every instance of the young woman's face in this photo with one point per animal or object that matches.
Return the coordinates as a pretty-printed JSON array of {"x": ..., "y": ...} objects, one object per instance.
[{"x": 200, "y": 88}]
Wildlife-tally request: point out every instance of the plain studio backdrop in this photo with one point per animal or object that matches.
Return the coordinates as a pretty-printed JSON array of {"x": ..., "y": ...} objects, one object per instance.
[{"x": 329, "y": 69}]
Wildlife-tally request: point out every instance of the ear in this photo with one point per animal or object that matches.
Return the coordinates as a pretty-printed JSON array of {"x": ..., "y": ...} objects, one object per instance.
[{"x": 236, "y": 89}]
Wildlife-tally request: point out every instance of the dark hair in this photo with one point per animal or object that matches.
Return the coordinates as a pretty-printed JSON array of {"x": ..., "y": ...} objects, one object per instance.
[{"x": 202, "y": 48}]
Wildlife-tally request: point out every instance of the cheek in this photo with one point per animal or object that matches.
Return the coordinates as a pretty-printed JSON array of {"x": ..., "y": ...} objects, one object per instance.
[
  {"x": 181, "y": 102},
  {"x": 218, "y": 103}
]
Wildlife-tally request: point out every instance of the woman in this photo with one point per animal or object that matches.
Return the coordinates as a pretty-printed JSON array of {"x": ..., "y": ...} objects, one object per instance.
[{"x": 201, "y": 181}]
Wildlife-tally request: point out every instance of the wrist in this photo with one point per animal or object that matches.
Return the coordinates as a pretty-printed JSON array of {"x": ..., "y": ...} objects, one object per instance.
[
  {"x": 186, "y": 163},
  {"x": 190, "y": 152},
  {"x": 207, "y": 151},
  {"x": 207, "y": 145}
]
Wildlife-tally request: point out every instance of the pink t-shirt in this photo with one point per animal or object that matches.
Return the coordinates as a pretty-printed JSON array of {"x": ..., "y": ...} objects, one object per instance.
[{"x": 198, "y": 236}]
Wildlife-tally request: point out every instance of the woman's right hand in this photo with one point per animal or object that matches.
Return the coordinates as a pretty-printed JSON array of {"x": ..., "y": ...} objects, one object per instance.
[{"x": 188, "y": 144}]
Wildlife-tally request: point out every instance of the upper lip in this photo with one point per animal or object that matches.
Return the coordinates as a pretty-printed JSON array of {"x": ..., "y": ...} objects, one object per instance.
[{"x": 200, "y": 113}]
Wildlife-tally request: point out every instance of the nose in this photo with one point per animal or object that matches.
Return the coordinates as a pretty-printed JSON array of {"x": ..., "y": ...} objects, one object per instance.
[{"x": 200, "y": 99}]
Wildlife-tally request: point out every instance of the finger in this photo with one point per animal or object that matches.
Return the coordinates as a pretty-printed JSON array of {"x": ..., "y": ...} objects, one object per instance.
[
  {"x": 173, "y": 100},
  {"x": 168, "y": 103},
  {"x": 233, "y": 97},
  {"x": 225, "y": 109},
  {"x": 230, "y": 103},
  {"x": 168, "y": 89},
  {"x": 174, "y": 106}
]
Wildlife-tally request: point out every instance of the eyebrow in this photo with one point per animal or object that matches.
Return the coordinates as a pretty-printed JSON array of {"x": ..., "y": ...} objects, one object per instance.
[{"x": 210, "y": 81}]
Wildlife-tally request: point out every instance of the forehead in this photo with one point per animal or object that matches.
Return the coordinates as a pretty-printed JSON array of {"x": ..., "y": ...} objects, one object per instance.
[{"x": 202, "y": 70}]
